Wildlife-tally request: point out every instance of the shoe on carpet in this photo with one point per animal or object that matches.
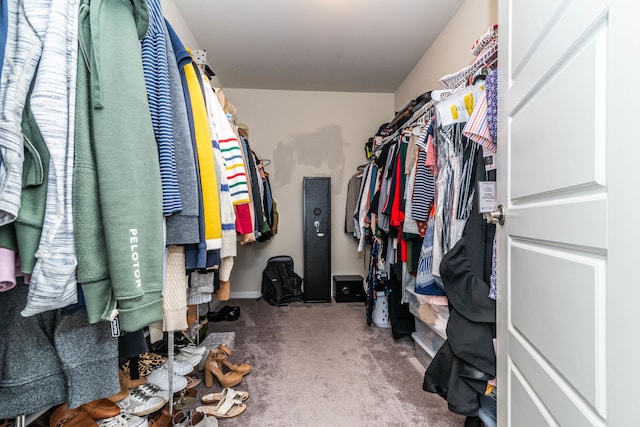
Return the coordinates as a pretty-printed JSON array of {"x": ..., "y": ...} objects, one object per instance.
[
  {"x": 144, "y": 400},
  {"x": 214, "y": 398},
  {"x": 212, "y": 368},
  {"x": 193, "y": 349},
  {"x": 160, "y": 377},
  {"x": 227, "y": 312},
  {"x": 227, "y": 407},
  {"x": 222, "y": 359},
  {"x": 124, "y": 419},
  {"x": 191, "y": 358},
  {"x": 180, "y": 367},
  {"x": 200, "y": 419},
  {"x": 154, "y": 390},
  {"x": 63, "y": 416},
  {"x": 163, "y": 419},
  {"x": 101, "y": 408}
]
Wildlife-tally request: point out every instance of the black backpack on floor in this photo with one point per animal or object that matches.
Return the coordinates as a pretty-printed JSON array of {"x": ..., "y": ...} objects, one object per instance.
[{"x": 280, "y": 284}]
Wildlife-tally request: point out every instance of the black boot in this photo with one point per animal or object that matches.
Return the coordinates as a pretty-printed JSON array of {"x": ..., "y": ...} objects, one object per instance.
[{"x": 225, "y": 313}]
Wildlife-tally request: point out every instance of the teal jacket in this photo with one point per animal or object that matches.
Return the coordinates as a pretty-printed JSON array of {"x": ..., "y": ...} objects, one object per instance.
[{"x": 117, "y": 194}]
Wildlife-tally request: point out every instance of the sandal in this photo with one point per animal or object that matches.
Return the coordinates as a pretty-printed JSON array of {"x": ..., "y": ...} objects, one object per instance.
[
  {"x": 212, "y": 398},
  {"x": 192, "y": 381},
  {"x": 183, "y": 401},
  {"x": 227, "y": 407}
]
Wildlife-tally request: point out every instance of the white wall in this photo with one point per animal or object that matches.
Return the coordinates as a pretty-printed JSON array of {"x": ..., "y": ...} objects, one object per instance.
[
  {"x": 173, "y": 15},
  {"x": 305, "y": 134},
  {"x": 451, "y": 51}
]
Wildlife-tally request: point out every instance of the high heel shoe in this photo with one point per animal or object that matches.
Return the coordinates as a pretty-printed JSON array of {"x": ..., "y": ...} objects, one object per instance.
[
  {"x": 212, "y": 369},
  {"x": 241, "y": 368},
  {"x": 221, "y": 357}
]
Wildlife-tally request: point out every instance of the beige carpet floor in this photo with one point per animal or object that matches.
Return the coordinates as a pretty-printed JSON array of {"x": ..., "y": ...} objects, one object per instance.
[{"x": 320, "y": 365}]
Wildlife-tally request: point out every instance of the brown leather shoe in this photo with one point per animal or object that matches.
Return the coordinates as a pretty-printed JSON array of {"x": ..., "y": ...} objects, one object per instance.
[
  {"x": 65, "y": 417},
  {"x": 163, "y": 419},
  {"x": 180, "y": 419},
  {"x": 119, "y": 396},
  {"x": 101, "y": 408},
  {"x": 127, "y": 382},
  {"x": 122, "y": 394}
]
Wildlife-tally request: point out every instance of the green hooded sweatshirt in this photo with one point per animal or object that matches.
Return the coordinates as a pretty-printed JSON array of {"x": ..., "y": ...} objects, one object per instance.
[{"x": 117, "y": 194}]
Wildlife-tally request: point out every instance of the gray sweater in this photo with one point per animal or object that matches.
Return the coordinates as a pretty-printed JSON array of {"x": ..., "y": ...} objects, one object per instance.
[
  {"x": 182, "y": 227},
  {"x": 53, "y": 357}
]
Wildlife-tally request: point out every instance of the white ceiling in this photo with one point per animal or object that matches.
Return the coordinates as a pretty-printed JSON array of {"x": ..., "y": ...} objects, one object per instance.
[{"x": 329, "y": 45}]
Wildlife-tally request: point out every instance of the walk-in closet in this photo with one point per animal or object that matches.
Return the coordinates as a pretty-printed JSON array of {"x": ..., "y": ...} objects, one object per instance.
[{"x": 318, "y": 213}]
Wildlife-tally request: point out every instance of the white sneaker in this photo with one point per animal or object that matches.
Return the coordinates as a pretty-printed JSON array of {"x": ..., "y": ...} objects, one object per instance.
[
  {"x": 143, "y": 400},
  {"x": 134, "y": 421},
  {"x": 193, "y": 349},
  {"x": 160, "y": 377},
  {"x": 192, "y": 358},
  {"x": 154, "y": 390},
  {"x": 123, "y": 419},
  {"x": 180, "y": 367}
]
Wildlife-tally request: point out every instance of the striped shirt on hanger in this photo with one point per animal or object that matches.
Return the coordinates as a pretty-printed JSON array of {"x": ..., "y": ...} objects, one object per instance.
[
  {"x": 156, "y": 76},
  {"x": 477, "y": 128}
]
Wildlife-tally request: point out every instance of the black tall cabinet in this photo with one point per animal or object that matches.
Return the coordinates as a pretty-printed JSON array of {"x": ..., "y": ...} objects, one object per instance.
[{"x": 317, "y": 239}]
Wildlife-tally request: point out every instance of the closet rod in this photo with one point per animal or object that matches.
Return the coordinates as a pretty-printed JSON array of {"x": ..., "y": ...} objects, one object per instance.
[{"x": 421, "y": 111}]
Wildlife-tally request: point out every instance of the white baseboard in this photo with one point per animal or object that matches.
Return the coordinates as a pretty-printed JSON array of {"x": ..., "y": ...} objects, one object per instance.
[{"x": 246, "y": 295}]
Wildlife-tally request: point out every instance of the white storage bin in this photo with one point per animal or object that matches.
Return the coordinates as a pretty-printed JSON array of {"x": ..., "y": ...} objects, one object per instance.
[
  {"x": 427, "y": 336},
  {"x": 422, "y": 351},
  {"x": 432, "y": 311}
]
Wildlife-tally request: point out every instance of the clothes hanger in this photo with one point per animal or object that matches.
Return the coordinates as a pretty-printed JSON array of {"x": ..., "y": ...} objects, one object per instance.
[
  {"x": 479, "y": 77},
  {"x": 440, "y": 94}
]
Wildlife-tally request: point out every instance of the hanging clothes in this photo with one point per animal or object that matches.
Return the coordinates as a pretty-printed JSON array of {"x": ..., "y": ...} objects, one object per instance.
[
  {"x": 53, "y": 281},
  {"x": 377, "y": 278},
  {"x": 25, "y": 31},
  {"x": 195, "y": 254},
  {"x": 155, "y": 64},
  {"x": 424, "y": 187},
  {"x": 466, "y": 362},
  {"x": 4, "y": 27},
  {"x": 455, "y": 182},
  {"x": 208, "y": 178},
  {"x": 47, "y": 357},
  {"x": 232, "y": 152},
  {"x": 223, "y": 258},
  {"x": 20, "y": 239},
  {"x": 386, "y": 186},
  {"x": 182, "y": 226},
  {"x": 362, "y": 229},
  {"x": 120, "y": 181},
  {"x": 244, "y": 151},
  {"x": 355, "y": 182}
]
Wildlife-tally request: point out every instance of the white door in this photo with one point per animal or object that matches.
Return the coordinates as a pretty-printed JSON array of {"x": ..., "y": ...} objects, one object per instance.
[{"x": 569, "y": 179}]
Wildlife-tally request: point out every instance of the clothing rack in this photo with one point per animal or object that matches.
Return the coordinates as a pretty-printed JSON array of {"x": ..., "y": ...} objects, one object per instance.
[
  {"x": 459, "y": 79},
  {"x": 488, "y": 58},
  {"x": 419, "y": 113}
]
